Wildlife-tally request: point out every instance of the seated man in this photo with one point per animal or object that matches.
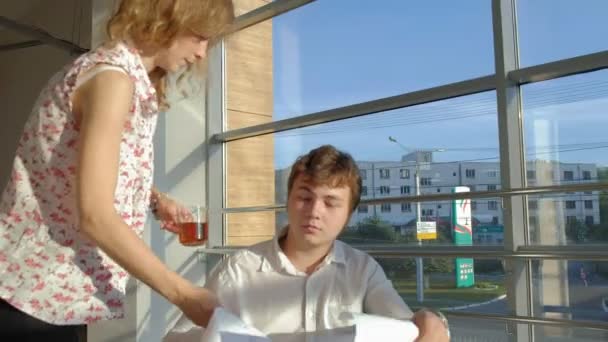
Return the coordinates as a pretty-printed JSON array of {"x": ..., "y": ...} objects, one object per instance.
[{"x": 303, "y": 280}]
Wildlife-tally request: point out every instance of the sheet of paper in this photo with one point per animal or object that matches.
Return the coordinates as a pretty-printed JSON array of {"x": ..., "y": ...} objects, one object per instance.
[
  {"x": 372, "y": 328},
  {"x": 226, "y": 327},
  {"x": 223, "y": 327}
]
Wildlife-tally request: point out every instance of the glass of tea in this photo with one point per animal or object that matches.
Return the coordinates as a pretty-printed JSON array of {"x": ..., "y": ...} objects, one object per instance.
[{"x": 193, "y": 228}]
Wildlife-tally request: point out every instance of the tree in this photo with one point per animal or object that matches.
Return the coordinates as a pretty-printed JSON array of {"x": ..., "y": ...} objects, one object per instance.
[
  {"x": 371, "y": 230},
  {"x": 577, "y": 231},
  {"x": 599, "y": 232},
  {"x": 374, "y": 230}
]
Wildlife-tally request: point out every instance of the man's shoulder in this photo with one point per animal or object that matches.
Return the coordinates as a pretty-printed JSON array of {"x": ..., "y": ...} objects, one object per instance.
[
  {"x": 250, "y": 256},
  {"x": 354, "y": 257}
]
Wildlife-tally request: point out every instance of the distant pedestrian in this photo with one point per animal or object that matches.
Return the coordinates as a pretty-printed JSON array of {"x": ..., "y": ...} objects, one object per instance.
[{"x": 584, "y": 276}]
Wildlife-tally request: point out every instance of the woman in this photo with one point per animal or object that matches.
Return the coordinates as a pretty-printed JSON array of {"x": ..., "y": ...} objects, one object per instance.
[{"x": 72, "y": 214}]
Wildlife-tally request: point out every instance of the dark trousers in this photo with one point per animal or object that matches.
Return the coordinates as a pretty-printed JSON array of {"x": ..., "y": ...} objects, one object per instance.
[{"x": 21, "y": 327}]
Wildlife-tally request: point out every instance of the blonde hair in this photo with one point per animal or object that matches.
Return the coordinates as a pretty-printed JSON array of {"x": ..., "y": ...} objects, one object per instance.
[{"x": 153, "y": 24}]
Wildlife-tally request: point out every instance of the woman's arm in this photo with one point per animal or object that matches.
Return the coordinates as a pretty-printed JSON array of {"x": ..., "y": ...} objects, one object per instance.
[{"x": 103, "y": 104}]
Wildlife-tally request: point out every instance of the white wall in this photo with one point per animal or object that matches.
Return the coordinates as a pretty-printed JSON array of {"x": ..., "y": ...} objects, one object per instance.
[
  {"x": 180, "y": 152},
  {"x": 24, "y": 72}
]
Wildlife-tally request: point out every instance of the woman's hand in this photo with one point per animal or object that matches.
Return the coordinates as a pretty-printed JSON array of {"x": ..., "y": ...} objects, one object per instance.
[
  {"x": 197, "y": 304},
  {"x": 168, "y": 211}
]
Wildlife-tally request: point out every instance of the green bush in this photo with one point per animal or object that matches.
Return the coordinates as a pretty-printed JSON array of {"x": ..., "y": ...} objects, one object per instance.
[{"x": 488, "y": 266}]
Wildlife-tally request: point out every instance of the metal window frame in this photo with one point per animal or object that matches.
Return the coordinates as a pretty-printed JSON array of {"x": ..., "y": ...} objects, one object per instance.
[
  {"x": 444, "y": 92},
  {"x": 587, "y": 252},
  {"x": 264, "y": 13},
  {"x": 216, "y": 153},
  {"x": 533, "y": 190},
  {"x": 518, "y": 273}
]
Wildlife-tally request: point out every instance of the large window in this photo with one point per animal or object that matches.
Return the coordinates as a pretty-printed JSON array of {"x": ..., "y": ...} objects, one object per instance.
[{"x": 320, "y": 58}]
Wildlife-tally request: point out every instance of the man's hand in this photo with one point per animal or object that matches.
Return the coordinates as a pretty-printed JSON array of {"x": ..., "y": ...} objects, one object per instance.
[
  {"x": 197, "y": 304},
  {"x": 430, "y": 326}
]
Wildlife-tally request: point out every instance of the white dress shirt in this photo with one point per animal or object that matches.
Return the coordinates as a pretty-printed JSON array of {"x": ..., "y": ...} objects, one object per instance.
[{"x": 262, "y": 286}]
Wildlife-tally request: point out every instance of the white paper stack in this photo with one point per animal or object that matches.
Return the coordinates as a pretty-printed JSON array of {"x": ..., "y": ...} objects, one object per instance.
[
  {"x": 226, "y": 327},
  {"x": 372, "y": 328},
  {"x": 223, "y": 327}
]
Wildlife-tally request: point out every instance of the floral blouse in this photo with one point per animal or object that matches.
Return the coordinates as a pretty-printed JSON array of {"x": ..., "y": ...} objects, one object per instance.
[{"x": 48, "y": 268}]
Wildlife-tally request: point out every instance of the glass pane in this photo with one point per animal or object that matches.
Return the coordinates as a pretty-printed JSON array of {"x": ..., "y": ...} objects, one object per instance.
[
  {"x": 396, "y": 223},
  {"x": 572, "y": 289},
  {"x": 567, "y": 219},
  {"x": 329, "y": 54},
  {"x": 550, "y": 30},
  {"x": 476, "y": 330},
  {"x": 566, "y": 144},
  {"x": 445, "y": 287},
  {"x": 564, "y": 122},
  {"x": 433, "y": 138}
]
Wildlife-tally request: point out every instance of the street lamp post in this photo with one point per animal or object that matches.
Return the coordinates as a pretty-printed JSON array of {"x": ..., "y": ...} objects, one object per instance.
[{"x": 419, "y": 260}]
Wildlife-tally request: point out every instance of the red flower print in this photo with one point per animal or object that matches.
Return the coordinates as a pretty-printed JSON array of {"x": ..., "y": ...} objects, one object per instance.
[
  {"x": 91, "y": 319},
  {"x": 114, "y": 303},
  {"x": 16, "y": 217},
  {"x": 61, "y": 298},
  {"x": 40, "y": 286},
  {"x": 57, "y": 218},
  {"x": 16, "y": 176},
  {"x": 88, "y": 288},
  {"x": 104, "y": 277},
  {"x": 69, "y": 315},
  {"x": 60, "y": 258}
]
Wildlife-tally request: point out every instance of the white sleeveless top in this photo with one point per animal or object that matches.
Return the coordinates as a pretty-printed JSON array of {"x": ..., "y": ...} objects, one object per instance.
[{"x": 48, "y": 268}]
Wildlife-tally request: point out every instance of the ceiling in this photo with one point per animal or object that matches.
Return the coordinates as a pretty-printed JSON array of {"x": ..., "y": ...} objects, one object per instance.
[{"x": 57, "y": 17}]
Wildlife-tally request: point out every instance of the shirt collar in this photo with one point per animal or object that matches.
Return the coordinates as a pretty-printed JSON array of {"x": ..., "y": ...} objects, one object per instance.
[{"x": 277, "y": 260}]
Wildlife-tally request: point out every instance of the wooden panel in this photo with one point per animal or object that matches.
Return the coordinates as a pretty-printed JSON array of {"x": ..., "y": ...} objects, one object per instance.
[
  {"x": 251, "y": 224},
  {"x": 250, "y": 165},
  {"x": 249, "y": 70},
  {"x": 250, "y": 162},
  {"x": 244, "y": 6},
  {"x": 247, "y": 240}
]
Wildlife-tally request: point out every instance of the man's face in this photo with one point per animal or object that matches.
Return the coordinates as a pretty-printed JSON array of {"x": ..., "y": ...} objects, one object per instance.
[{"x": 317, "y": 214}]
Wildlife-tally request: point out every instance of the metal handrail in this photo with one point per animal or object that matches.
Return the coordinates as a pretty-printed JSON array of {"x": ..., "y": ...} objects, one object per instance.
[
  {"x": 486, "y": 252},
  {"x": 586, "y": 252},
  {"x": 533, "y": 190},
  {"x": 566, "y": 67},
  {"x": 530, "y": 320},
  {"x": 444, "y": 92}
]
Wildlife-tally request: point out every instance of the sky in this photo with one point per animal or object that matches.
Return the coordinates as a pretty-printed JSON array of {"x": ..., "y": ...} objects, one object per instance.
[{"x": 332, "y": 53}]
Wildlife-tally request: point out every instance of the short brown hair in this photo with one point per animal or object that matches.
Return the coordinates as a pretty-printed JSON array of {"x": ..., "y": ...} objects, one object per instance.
[
  {"x": 154, "y": 24},
  {"x": 329, "y": 166}
]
